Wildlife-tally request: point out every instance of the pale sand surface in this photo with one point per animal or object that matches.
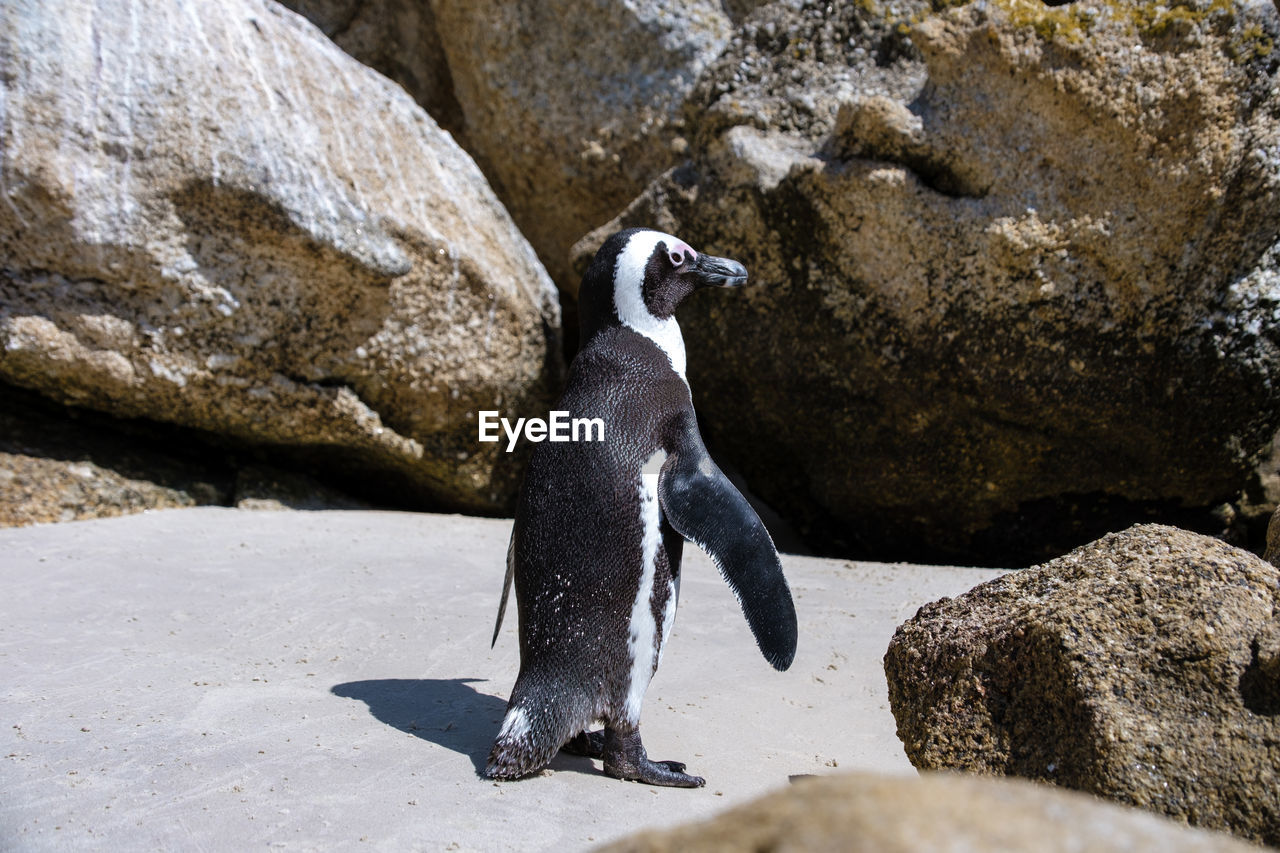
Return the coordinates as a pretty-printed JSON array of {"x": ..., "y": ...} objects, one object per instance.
[{"x": 217, "y": 679}]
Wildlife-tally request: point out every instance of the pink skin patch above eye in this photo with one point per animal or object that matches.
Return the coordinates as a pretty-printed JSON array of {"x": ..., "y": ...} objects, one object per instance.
[{"x": 682, "y": 254}]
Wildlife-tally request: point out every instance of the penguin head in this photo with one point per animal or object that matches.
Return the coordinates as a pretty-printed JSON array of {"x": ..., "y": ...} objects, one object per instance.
[{"x": 639, "y": 277}]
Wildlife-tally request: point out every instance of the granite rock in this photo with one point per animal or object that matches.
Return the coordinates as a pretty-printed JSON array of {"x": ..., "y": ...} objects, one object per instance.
[
  {"x": 571, "y": 107},
  {"x": 1272, "y": 552},
  {"x": 61, "y": 463},
  {"x": 211, "y": 216},
  {"x": 1143, "y": 667},
  {"x": 938, "y": 811},
  {"x": 1017, "y": 264},
  {"x": 398, "y": 39}
]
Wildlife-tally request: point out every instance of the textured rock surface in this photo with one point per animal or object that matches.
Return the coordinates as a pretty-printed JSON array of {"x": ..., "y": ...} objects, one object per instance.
[
  {"x": 398, "y": 39},
  {"x": 1144, "y": 667},
  {"x": 212, "y": 216},
  {"x": 1251, "y": 514},
  {"x": 941, "y": 812},
  {"x": 573, "y": 106},
  {"x": 1272, "y": 553},
  {"x": 58, "y": 463},
  {"x": 1016, "y": 264},
  {"x": 37, "y": 488}
]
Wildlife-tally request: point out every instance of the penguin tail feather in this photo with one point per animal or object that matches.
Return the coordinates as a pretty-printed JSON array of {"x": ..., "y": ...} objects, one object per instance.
[
  {"x": 529, "y": 739},
  {"x": 506, "y": 587}
]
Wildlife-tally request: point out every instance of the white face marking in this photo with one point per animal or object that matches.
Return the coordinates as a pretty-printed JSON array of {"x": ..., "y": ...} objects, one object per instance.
[
  {"x": 640, "y": 643},
  {"x": 628, "y": 294}
]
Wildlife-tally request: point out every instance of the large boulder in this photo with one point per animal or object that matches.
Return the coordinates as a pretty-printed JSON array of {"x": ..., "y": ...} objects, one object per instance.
[
  {"x": 1016, "y": 270},
  {"x": 572, "y": 107},
  {"x": 1144, "y": 667},
  {"x": 213, "y": 217},
  {"x": 398, "y": 39},
  {"x": 867, "y": 813}
]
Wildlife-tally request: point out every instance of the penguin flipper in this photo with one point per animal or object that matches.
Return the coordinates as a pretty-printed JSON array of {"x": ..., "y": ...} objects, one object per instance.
[
  {"x": 506, "y": 587},
  {"x": 705, "y": 508}
]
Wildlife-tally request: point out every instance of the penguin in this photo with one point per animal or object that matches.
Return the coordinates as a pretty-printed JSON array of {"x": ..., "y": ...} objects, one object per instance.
[{"x": 599, "y": 529}]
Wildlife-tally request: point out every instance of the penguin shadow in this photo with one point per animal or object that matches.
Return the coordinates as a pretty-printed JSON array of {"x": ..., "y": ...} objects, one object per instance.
[{"x": 448, "y": 712}]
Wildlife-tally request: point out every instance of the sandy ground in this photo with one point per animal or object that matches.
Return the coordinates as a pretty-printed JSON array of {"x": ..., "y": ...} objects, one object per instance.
[{"x": 216, "y": 679}]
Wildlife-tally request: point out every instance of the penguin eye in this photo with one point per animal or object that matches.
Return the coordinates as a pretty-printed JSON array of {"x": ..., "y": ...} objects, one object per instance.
[{"x": 677, "y": 258}]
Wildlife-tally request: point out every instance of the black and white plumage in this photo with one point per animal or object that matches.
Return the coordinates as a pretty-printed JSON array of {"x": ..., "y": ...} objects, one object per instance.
[{"x": 595, "y": 551}]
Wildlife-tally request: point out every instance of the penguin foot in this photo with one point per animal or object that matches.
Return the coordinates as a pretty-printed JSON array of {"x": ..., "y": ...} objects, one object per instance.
[
  {"x": 589, "y": 744},
  {"x": 625, "y": 758}
]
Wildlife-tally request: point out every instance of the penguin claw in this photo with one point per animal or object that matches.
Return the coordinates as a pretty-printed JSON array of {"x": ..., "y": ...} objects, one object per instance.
[
  {"x": 656, "y": 773},
  {"x": 625, "y": 758}
]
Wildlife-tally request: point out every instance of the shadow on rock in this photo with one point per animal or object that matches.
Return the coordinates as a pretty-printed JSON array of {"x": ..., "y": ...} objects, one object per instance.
[{"x": 445, "y": 711}]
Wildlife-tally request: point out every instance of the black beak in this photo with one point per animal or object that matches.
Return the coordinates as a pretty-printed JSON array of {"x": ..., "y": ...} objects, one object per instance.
[{"x": 719, "y": 272}]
